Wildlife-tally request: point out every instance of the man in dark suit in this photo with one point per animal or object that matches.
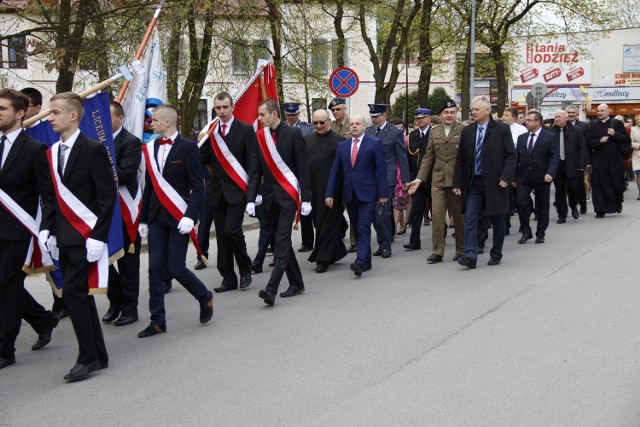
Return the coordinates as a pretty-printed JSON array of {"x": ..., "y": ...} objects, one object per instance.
[
  {"x": 85, "y": 171},
  {"x": 229, "y": 191},
  {"x": 283, "y": 162},
  {"x": 573, "y": 159},
  {"x": 395, "y": 154},
  {"x": 124, "y": 283},
  {"x": 583, "y": 127},
  {"x": 485, "y": 165},
  {"x": 360, "y": 165},
  {"x": 538, "y": 160},
  {"x": 176, "y": 161},
  {"x": 23, "y": 178}
]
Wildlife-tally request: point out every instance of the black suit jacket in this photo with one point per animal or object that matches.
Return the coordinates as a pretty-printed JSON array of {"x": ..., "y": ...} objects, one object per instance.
[
  {"x": 290, "y": 146},
  {"x": 241, "y": 140},
  {"x": 128, "y": 156},
  {"x": 415, "y": 153},
  {"x": 24, "y": 177},
  {"x": 575, "y": 149},
  {"x": 89, "y": 176},
  {"x": 543, "y": 159},
  {"x": 183, "y": 171}
]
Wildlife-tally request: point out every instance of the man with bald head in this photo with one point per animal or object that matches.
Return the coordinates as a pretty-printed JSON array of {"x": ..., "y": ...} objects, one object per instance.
[
  {"x": 608, "y": 140},
  {"x": 573, "y": 159},
  {"x": 330, "y": 225}
]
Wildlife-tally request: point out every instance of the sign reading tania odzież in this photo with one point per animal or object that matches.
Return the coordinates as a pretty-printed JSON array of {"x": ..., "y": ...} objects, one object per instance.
[{"x": 554, "y": 62}]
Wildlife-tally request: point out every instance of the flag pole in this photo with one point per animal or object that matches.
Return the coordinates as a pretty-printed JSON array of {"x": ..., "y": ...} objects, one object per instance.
[{"x": 142, "y": 46}]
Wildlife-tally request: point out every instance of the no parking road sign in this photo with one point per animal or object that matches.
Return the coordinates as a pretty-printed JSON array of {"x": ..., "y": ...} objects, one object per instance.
[{"x": 344, "y": 82}]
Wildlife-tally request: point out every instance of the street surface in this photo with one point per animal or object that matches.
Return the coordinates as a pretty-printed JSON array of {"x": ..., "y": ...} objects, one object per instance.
[{"x": 549, "y": 337}]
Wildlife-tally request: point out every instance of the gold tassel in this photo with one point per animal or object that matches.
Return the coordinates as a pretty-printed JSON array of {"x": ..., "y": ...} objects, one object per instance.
[
  {"x": 98, "y": 291},
  {"x": 113, "y": 258},
  {"x": 132, "y": 249},
  {"x": 204, "y": 260},
  {"x": 296, "y": 226}
]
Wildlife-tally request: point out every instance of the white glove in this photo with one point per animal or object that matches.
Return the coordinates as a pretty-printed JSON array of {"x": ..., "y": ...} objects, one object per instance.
[
  {"x": 185, "y": 225},
  {"x": 43, "y": 236},
  {"x": 305, "y": 208},
  {"x": 143, "y": 229},
  {"x": 94, "y": 249},
  {"x": 251, "y": 209},
  {"x": 49, "y": 244},
  {"x": 258, "y": 199}
]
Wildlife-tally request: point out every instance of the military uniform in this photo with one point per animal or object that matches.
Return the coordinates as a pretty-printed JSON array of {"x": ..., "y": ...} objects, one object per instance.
[{"x": 341, "y": 127}]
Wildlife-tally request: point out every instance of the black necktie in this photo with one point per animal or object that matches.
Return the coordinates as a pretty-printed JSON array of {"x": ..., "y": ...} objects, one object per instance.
[
  {"x": 4, "y": 138},
  {"x": 378, "y": 131},
  {"x": 530, "y": 146}
]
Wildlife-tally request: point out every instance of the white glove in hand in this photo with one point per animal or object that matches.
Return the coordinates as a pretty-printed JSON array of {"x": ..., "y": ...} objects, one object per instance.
[
  {"x": 94, "y": 249},
  {"x": 43, "y": 237},
  {"x": 258, "y": 200},
  {"x": 305, "y": 208},
  {"x": 251, "y": 209},
  {"x": 143, "y": 229},
  {"x": 185, "y": 225}
]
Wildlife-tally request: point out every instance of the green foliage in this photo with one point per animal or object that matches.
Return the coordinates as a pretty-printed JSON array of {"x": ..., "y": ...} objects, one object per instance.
[{"x": 436, "y": 99}]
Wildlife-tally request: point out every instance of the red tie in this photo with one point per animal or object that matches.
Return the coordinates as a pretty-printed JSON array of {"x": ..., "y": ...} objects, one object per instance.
[
  {"x": 224, "y": 129},
  {"x": 163, "y": 141},
  {"x": 354, "y": 152}
]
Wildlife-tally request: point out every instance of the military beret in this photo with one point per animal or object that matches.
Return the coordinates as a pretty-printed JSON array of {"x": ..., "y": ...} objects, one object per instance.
[{"x": 337, "y": 101}]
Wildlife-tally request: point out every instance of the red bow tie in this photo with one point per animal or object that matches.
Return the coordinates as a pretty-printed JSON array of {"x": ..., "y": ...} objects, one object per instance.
[{"x": 163, "y": 141}]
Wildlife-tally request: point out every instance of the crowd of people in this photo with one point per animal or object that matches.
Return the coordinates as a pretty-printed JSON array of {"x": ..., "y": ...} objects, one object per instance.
[{"x": 471, "y": 178}]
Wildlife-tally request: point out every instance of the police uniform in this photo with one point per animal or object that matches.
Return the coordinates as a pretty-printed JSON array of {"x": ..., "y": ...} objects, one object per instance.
[{"x": 293, "y": 108}]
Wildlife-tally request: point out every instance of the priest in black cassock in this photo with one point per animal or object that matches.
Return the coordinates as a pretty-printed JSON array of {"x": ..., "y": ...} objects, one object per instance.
[
  {"x": 608, "y": 139},
  {"x": 330, "y": 225}
]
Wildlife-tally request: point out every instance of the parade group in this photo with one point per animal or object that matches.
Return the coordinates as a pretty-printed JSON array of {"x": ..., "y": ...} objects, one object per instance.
[{"x": 470, "y": 178}]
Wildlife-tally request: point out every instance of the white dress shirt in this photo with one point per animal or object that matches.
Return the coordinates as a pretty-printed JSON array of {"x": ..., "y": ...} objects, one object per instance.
[{"x": 163, "y": 151}]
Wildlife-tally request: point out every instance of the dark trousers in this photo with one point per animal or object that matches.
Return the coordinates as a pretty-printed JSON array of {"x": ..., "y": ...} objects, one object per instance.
[
  {"x": 81, "y": 306},
  {"x": 204, "y": 226},
  {"x": 231, "y": 243},
  {"x": 16, "y": 303},
  {"x": 306, "y": 231},
  {"x": 168, "y": 249},
  {"x": 419, "y": 202},
  {"x": 566, "y": 186},
  {"x": 382, "y": 224},
  {"x": 124, "y": 283},
  {"x": 264, "y": 239},
  {"x": 361, "y": 215},
  {"x": 473, "y": 208},
  {"x": 281, "y": 221},
  {"x": 582, "y": 193},
  {"x": 541, "y": 194}
]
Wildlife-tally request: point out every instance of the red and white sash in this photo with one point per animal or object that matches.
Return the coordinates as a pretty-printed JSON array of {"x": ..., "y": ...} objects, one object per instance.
[
  {"x": 227, "y": 160},
  {"x": 278, "y": 167},
  {"x": 82, "y": 220},
  {"x": 35, "y": 261},
  {"x": 168, "y": 196},
  {"x": 130, "y": 209}
]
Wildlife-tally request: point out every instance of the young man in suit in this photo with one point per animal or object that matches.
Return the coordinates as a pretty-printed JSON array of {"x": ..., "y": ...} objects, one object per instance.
[
  {"x": 583, "y": 127},
  {"x": 23, "y": 179},
  {"x": 485, "y": 166},
  {"x": 84, "y": 170},
  {"x": 285, "y": 192},
  {"x": 538, "y": 160},
  {"x": 230, "y": 153},
  {"x": 124, "y": 283},
  {"x": 171, "y": 202},
  {"x": 360, "y": 165}
]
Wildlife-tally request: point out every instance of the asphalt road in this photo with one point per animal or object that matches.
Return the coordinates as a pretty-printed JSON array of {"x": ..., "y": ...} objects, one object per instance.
[{"x": 549, "y": 337}]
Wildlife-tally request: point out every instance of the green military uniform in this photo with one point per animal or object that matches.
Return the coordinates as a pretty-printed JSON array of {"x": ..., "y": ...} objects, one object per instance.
[{"x": 341, "y": 127}]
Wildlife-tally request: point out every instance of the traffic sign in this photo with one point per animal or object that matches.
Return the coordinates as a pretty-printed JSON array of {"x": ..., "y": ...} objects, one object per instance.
[
  {"x": 539, "y": 90},
  {"x": 343, "y": 82}
]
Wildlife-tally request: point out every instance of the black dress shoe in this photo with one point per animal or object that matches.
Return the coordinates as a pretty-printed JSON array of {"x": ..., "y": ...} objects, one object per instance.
[
  {"x": 60, "y": 314},
  {"x": 366, "y": 267},
  {"x": 494, "y": 261},
  {"x": 206, "y": 309},
  {"x": 224, "y": 288},
  {"x": 540, "y": 239},
  {"x": 272, "y": 264},
  {"x": 256, "y": 269},
  {"x": 304, "y": 248},
  {"x": 352, "y": 249},
  {"x": 434, "y": 258},
  {"x": 322, "y": 267},
  {"x": 524, "y": 238},
  {"x": 583, "y": 210},
  {"x": 45, "y": 337},
  {"x": 80, "y": 371},
  {"x": 292, "y": 291},
  {"x": 561, "y": 220},
  {"x": 411, "y": 247},
  {"x": 457, "y": 257},
  {"x": 467, "y": 262},
  {"x": 126, "y": 320},
  {"x": 619, "y": 208},
  {"x": 574, "y": 213},
  {"x": 378, "y": 252},
  {"x": 245, "y": 281},
  {"x": 267, "y": 297},
  {"x": 7, "y": 361},
  {"x": 152, "y": 330},
  {"x": 357, "y": 270},
  {"x": 386, "y": 253},
  {"x": 112, "y": 314},
  {"x": 200, "y": 265},
  {"x": 599, "y": 215}
]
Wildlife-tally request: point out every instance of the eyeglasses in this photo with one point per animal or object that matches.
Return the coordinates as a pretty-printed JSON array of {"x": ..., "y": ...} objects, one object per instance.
[
  {"x": 336, "y": 109},
  {"x": 319, "y": 122}
]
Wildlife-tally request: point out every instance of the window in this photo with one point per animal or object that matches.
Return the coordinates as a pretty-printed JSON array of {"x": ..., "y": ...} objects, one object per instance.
[
  {"x": 245, "y": 55},
  {"x": 320, "y": 56},
  {"x": 202, "y": 115},
  {"x": 334, "y": 54},
  {"x": 18, "y": 52}
]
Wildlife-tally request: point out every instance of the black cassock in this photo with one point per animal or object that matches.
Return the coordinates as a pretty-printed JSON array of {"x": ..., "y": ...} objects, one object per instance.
[
  {"x": 329, "y": 224},
  {"x": 607, "y": 173}
]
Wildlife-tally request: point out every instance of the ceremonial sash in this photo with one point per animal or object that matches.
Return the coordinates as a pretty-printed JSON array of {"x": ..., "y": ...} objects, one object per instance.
[
  {"x": 168, "y": 196},
  {"x": 82, "y": 220},
  {"x": 227, "y": 160},
  {"x": 130, "y": 209},
  {"x": 279, "y": 169},
  {"x": 35, "y": 261}
]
